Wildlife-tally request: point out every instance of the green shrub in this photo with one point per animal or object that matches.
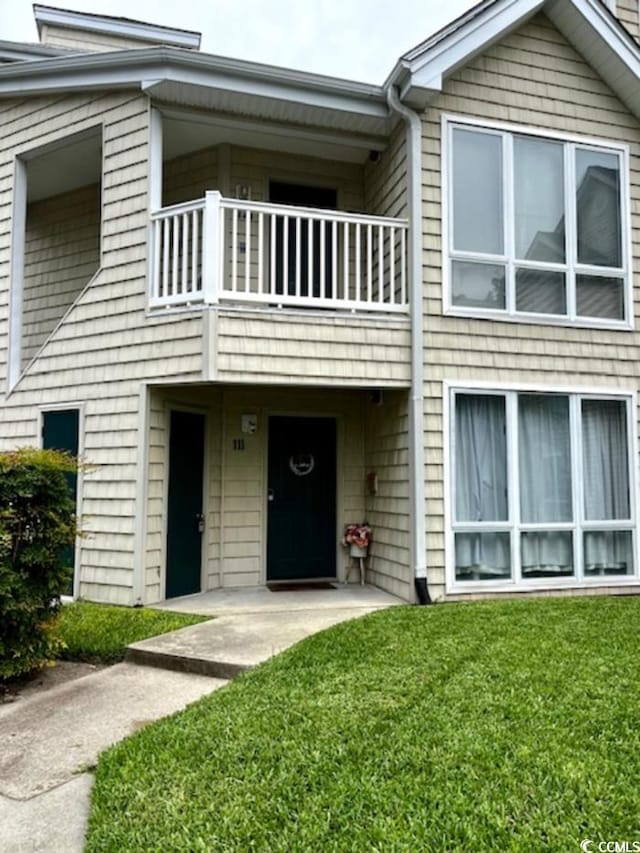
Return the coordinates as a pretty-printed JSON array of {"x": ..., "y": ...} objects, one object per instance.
[{"x": 37, "y": 523}]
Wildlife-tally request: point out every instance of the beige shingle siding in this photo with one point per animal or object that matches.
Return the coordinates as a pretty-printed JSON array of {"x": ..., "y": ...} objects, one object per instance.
[
  {"x": 188, "y": 177},
  {"x": 385, "y": 179},
  {"x": 107, "y": 346},
  {"x": 283, "y": 348},
  {"x": 235, "y": 535},
  {"x": 243, "y": 545},
  {"x": 76, "y": 39},
  {"x": 627, "y": 12},
  {"x": 386, "y": 438},
  {"x": 209, "y": 402},
  {"x": 255, "y": 168},
  {"x": 532, "y": 78},
  {"x": 387, "y": 455},
  {"x": 156, "y": 498},
  {"x": 62, "y": 253}
]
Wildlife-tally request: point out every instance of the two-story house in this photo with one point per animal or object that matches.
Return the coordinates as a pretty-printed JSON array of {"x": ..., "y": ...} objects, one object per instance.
[{"x": 262, "y": 303}]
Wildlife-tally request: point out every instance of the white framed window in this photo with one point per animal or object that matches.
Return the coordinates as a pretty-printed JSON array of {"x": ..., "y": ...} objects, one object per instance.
[
  {"x": 536, "y": 228},
  {"x": 541, "y": 489}
]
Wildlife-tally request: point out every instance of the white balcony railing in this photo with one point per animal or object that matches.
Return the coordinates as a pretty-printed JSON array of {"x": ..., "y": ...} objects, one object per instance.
[{"x": 226, "y": 250}]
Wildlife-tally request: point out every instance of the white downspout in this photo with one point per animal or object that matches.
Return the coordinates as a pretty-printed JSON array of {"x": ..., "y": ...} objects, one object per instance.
[{"x": 417, "y": 504}]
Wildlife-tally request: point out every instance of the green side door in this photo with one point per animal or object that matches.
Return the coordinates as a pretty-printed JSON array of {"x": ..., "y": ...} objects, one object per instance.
[
  {"x": 301, "y": 514},
  {"x": 185, "y": 523},
  {"x": 60, "y": 431}
]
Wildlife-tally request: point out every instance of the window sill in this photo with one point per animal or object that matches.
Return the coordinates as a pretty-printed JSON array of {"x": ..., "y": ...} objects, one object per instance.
[
  {"x": 542, "y": 585},
  {"x": 538, "y": 320}
]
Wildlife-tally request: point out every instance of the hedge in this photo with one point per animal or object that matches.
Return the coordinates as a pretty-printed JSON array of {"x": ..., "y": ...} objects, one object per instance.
[{"x": 37, "y": 526}]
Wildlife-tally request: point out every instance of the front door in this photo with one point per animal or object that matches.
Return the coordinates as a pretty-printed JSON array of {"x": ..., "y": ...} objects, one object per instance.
[
  {"x": 60, "y": 430},
  {"x": 185, "y": 523},
  {"x": 301, "y": 519}
]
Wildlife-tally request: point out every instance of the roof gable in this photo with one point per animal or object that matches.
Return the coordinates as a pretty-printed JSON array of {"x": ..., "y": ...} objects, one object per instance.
[{"x": 586, "y": 24}]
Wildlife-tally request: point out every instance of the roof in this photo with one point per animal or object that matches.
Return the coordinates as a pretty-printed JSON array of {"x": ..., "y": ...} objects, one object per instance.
[
  {"x": 115, "y": 26},
  {"x": 200, "y": 80},
  {"x": 14, "y": 51},
  {"x": 193, "y": 79}
]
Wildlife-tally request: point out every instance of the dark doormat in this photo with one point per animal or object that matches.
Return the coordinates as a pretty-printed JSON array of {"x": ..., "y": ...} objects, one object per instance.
[{"x": 278, "y": 586}]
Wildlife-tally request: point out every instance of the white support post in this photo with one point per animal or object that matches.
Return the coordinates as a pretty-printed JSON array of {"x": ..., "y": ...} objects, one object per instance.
[
  {"x": 155, "y": 201},
  {"x": 212, "y": 247},
  {"x": 155, "y": 161},
  {"x": 18, "y": 228}
]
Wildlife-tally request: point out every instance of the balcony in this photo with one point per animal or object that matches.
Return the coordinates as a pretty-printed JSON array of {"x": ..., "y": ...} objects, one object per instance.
[{"x": 216, "y": 250}]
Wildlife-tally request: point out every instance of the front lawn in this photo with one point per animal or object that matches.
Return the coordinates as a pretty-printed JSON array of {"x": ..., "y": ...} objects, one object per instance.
[
  {"x": 490, "y": 726},
  {"x": 100, "y": 633}
]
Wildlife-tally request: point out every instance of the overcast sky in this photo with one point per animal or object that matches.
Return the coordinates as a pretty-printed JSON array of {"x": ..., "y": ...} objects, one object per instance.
[{"x": 356, "y": 39}]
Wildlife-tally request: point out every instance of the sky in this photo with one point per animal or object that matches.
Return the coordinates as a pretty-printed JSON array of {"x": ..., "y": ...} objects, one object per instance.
[{"x": 355, "y": 39}]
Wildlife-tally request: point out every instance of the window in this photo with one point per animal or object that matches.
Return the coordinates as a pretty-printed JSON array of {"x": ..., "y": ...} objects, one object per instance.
[
  {"x": 536, "y": 227},
  {"x": 541, "y": 488}
]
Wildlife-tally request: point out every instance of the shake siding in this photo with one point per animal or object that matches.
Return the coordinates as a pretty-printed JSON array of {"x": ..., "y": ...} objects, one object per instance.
[
  {"x": 62, "y": 252},
  {"x": 75, "y": 40},
  {"x": 386, "y": 437},
  {"x": 385, "y": 180},
  {"x": 255, "y": 168},
  {"x": 207, "y": 401},
  {"x": 533, "y": 78},
  {"x": 107, "y": 347},
  {"x": 188, "y": 177},
  {"x": 156, "y": 496},
  {"x": 627, "y": 12},
  {"x": 235, "y": 486},
  {"x": 282, "y": 348},
  {"x": 386, "y": 454},
  {"x": 244, "y": 473}
]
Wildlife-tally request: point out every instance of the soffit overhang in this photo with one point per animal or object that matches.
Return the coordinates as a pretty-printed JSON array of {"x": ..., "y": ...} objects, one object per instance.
[{"x": 201, "y": 81}]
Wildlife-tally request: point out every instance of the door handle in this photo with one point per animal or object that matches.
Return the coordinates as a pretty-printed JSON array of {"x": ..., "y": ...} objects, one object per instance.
[
  {"x": 200, "y": 522},
  {"x": 270, "y": 495}
]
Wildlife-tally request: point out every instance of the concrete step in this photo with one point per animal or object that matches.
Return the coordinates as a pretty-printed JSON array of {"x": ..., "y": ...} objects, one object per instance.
[{"x": 178, "y": 661}]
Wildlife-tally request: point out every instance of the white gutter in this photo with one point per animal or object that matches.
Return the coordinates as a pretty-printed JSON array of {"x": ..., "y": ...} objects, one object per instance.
[{"x": 417, "y": 504}]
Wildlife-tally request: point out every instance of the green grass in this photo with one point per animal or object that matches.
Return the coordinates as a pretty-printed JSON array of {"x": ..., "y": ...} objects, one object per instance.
[
  {"x": 99, "y": 633},
  {"x": 506, "y": 726}
]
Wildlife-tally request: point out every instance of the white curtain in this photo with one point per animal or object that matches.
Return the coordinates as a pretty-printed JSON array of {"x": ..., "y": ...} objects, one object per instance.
[
  {"x": 606, "y": 484},
  {"x": 481, "y": 484},
  {"x": 545, "y": 482}
]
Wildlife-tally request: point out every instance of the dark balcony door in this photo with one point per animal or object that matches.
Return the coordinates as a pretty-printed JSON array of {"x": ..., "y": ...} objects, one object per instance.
[
  {"x": 301, "y": 517},
  {"x": 60, "y": 431},
  {"x": 184, "y": 515},
  {"x": 310, "y": 266}
]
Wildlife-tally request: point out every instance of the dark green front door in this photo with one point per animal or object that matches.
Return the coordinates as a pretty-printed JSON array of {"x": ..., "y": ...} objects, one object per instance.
[
  {"x": 184, "y": 515},
  {"x": 301, "y": 520},
  {"x": 60, "y": 432}
]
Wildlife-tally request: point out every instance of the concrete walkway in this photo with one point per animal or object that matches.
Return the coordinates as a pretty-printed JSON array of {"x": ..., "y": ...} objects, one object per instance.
[
  {"x": 251, "y": 626},
  {"x": 49, "y": 741}
]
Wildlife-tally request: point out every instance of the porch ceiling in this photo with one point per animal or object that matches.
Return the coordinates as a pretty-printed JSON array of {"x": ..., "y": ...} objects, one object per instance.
[{"x": 185, "y": 132}]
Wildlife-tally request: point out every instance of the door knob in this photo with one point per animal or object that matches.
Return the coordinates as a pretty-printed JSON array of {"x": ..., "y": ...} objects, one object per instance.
[
  {"x": 270, "y": 495},
  {"x": 200, "y": 522}
]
